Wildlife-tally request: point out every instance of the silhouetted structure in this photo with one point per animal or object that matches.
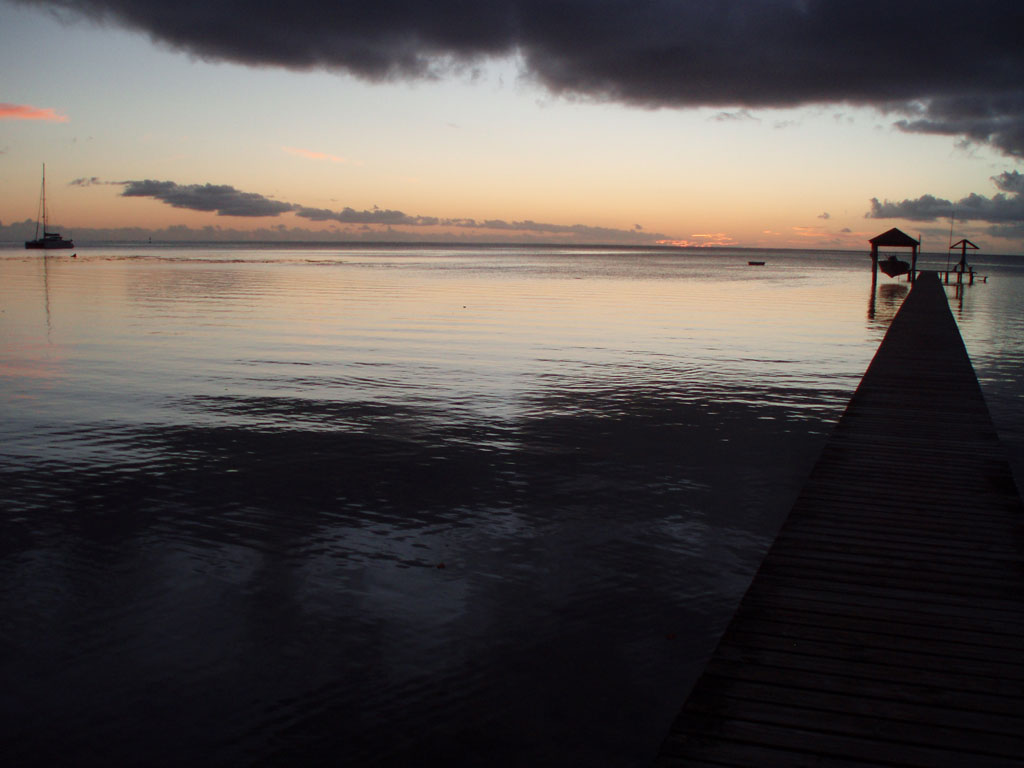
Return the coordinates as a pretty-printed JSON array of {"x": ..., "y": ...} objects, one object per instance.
[
  {"x": 962, "y": 268},
  {"x": 894, "y": 238}
]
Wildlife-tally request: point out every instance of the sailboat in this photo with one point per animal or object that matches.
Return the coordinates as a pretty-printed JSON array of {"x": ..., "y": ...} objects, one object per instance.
[{"x": 49, "y": 239}]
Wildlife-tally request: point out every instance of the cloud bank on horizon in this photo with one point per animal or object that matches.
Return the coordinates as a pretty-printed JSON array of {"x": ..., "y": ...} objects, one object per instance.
[
  {"x": 938, "y": 66},
  {"x": 1005, "y": 210},
  {"x": 226, "y": 200}
]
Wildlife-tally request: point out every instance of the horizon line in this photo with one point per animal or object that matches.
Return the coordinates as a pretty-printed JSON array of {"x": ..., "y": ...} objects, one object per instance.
[{"x": 462, "y": 244}]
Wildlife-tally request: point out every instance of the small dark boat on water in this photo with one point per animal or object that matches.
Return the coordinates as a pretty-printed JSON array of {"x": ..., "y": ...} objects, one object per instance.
[
  {"x": 894, "y": 267},
  {"x": 755, "y": 263},
  {"x": 49, "y": 240}
]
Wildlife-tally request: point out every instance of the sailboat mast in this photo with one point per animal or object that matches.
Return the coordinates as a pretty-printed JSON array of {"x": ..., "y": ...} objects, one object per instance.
[
  {"x": 40, "y": 206},
  {"x": 44, "y": 200}
]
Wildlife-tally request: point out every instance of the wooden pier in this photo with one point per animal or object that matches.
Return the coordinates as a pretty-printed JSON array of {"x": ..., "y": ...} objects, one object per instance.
[{"x": 886, "y": 624}]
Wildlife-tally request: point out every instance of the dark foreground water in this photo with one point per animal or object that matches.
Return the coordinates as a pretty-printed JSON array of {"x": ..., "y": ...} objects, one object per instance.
[{"x": 407, "y": 506}]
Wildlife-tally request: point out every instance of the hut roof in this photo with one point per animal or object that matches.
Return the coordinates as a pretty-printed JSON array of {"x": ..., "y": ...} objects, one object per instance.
[{"x": 894, "y": 237}]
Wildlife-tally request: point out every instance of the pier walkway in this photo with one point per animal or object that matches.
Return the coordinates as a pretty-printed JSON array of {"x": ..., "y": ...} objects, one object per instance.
[{"x": 886, "y": 624}]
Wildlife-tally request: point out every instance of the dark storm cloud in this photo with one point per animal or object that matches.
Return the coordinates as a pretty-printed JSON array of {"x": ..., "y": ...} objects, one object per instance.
[
  {"x": 222, "y": 199},
  {"x": 983, "y": 118},
  {"x": 950, "y": 67},
  {"x": 1001, "y": 208}
]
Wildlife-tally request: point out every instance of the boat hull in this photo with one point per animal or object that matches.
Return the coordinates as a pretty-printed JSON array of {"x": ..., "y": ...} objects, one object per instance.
[
  {"x": 894, "y": 267},
  {"x": 49, "y": 244}
]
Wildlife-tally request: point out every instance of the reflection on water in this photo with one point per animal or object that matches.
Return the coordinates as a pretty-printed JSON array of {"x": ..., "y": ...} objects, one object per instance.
[
  {"x": 413, "y": 507},
  {"x": 884, "y": 302}
]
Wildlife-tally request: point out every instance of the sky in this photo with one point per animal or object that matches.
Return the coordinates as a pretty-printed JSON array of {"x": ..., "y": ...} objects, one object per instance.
[{"x": 761, "y": 123}]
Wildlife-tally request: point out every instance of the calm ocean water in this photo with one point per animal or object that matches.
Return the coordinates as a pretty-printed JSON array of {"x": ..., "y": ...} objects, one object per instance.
[{"x": 409, "y": 505}]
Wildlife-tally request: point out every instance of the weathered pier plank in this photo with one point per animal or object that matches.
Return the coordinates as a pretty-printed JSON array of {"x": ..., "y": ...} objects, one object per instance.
[{"x": 886, "y": 624}]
